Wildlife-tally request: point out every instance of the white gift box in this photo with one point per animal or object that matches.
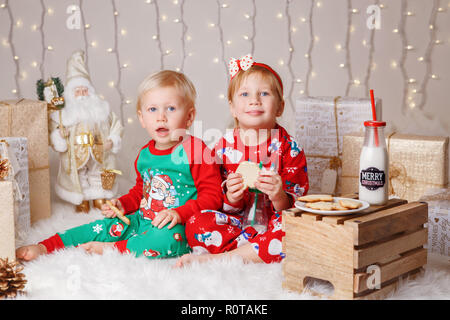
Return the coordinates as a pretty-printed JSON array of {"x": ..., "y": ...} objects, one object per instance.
[
  {"x": 15, "y": 150},
  {"x": 438, "y": 221},
  {"x": 321, "y": 123}
]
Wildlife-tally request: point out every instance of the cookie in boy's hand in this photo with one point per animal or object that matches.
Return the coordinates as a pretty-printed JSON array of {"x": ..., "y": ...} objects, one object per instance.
[
  {"x": 316, "y": 198},
  {"x": 249, "y": 172}
]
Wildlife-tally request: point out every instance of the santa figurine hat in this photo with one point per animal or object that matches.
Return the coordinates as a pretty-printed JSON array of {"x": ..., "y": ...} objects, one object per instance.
[{"x": 76, "y": 72}]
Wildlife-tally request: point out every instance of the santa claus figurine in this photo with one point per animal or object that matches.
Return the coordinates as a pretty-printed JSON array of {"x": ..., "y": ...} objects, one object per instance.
[{"x": 87, "y": 135}]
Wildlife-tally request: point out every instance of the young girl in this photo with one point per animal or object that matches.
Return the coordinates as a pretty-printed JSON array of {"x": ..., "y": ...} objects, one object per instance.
[
  {"x": 255, "y": 97},
  {"x": 175, "y": 178}
]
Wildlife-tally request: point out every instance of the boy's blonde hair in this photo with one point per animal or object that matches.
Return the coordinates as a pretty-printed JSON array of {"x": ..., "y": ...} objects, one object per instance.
[
  {"x": 263, "y": 72},
  {"x": 168, "y": 78}
]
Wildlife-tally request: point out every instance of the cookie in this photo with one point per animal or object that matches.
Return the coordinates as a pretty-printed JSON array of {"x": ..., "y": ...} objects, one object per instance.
[
  {"x": 316, "y": 198},
  {"x": 338, "y": 207},
  {"x": 350, "y": 204},
  {"x": 249, "y": 172},
  {"x": 321, "y": 205}
]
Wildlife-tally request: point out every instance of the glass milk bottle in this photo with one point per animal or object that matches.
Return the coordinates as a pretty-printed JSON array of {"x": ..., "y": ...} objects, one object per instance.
[
  {"x": 374, "y": 165},
  {"x": 257, "y": 215}
]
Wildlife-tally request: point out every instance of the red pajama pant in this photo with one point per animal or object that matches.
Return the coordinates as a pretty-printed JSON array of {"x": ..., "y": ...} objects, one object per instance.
[{"x": 216, "y": 232}]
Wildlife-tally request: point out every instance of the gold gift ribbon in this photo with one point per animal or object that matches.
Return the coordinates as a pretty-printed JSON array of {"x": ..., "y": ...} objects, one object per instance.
[
  {"x": 112, "y": 171},
  {"x": 335, "y": 161},
  {"x": 5, "y": 167}
]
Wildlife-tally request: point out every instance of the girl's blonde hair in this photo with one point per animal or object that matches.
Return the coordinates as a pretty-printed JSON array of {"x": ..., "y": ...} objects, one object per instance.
[
  {"x": 168, "y": 78},
  {"x": 263, "y": 72}
]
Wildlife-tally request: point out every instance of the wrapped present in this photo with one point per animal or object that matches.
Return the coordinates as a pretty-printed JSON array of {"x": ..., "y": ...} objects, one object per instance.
[
  {"x": 14, "y": 157},
  {"x": 438, "y": 220},
  {"x": 321, "y": 123},
  {"x": 7, "y": 236},
  {"x": 28, "y": 118},
  {"x": 416, "y": 164}
]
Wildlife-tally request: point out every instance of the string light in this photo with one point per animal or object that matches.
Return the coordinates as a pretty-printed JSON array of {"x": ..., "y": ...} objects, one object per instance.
[
  {"x": 371, "y": 65},
  {"x": 158, "y": 38},
  {"x": 428, "y": 53},
  {"x": 348, "y": 66},
  {"x": 414, "y": 88},
  {"x": 291, "y": 71},
  {"x": 115, "y": 49},
  {"x": 86, "y": 27},
  {"x": 311, "y": 46},
  {"x": 13, "y": 49},
  {"x": 184, "y": 29}
]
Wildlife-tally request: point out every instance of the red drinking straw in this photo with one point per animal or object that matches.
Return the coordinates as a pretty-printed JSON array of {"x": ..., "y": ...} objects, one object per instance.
[{"x": 374, "y": 115}]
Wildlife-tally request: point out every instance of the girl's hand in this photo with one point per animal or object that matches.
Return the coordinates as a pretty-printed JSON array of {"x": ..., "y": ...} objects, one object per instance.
[
  {"x": 164, "y": 217},
  {"x": 270, "y": 183},
  {"x": 108, "y": 212},
  {"x": 235, "y": 187}
]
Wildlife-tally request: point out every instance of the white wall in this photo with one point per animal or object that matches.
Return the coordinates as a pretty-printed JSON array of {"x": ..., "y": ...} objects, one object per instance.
[{"x": 199, "y": 36}]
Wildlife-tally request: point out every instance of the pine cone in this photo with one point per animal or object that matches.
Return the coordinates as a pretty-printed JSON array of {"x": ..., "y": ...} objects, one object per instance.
[{"x": 12, "y": 281}]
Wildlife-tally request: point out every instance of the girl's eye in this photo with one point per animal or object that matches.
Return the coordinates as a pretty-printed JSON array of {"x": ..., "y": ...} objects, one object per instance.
[
  {"x": 264, "y": 93},
  {"x": 244, "y": 94},
  {"x": 171, "y": 108},
  {"x": 152, "y": 109}
]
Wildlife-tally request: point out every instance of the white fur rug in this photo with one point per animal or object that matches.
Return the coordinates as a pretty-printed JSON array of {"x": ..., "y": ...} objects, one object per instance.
[{"x": 73, "y": 274}]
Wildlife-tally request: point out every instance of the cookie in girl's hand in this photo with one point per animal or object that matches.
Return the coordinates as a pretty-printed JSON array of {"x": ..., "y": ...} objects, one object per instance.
[{"x": 249, "y": 172}]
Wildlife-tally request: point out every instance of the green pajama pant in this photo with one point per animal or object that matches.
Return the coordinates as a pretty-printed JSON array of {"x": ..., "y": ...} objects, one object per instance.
[{"x": 139, "y": 238}]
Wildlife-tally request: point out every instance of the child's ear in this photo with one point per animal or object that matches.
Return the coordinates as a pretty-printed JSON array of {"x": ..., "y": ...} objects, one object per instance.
[
  {"x": 190, "y": 117},
  {"x": 230, "y": 105},
  {"x": 141, "y": 118},
  {"x": 280, "y": 109}
]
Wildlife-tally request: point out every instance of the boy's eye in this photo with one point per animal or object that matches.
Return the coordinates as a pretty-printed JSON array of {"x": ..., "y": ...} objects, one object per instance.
[
  {"x": 152, "y": 109},
  {"x": 264, "y": 93},
  {"x": 171, "y": 108}
]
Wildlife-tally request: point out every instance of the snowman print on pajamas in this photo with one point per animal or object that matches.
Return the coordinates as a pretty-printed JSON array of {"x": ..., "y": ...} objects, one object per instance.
[{"x": 213, "y": 238}]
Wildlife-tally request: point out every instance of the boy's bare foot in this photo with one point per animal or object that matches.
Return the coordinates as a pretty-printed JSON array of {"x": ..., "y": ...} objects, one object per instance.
[
  {"x": 96, "y": 246},
  {"x": 30, "y": 252}
]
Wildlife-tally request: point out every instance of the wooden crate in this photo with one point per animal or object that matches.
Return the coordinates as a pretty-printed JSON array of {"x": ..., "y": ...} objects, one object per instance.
[{"x": 362, "y": 255}]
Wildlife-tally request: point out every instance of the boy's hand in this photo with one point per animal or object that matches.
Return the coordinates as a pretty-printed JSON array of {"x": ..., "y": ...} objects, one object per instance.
[
  {"x": 235, "y": 187},
  {"x": 270, "y": 183},
  {"x": 108, "y": 212},
  {"x": 164, "y": 217}
]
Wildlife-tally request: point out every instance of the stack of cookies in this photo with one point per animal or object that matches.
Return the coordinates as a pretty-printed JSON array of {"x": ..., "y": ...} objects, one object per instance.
[{"x": 325, "y": 202}]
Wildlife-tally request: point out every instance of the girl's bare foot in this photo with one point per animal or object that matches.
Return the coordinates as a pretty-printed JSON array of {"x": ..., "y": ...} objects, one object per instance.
[
  {"x": 188, "y": 258},
  {"x": 96, "y": 246},
  {"x": 30, "y": 252}
]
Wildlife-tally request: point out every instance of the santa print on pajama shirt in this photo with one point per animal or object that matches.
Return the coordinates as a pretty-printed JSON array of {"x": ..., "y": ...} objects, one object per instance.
[
  {"x": 183, "y": 178},
  {"x": 216, "y": 232}
]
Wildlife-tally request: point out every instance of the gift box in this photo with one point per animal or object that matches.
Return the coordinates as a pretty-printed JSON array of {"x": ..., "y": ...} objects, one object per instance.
[
  {"x": 321, "y": 123},
  {"x": 7, "y": 237},
  {"x": 416, "y": 164},
  {"x": 14, "y": 156},
  {"x": 28, "y": 118},
  {"x": 438, "y": 221}
]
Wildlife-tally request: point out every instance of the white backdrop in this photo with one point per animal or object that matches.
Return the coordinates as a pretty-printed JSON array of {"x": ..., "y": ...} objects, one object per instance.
[{"x": 319, "y": 47}]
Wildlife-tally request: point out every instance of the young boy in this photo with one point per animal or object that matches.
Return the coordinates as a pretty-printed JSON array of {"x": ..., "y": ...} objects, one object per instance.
[{"x": 176, "y": 178}]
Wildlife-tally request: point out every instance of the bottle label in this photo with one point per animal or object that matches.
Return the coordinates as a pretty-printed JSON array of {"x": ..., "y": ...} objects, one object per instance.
[{"x": 372, "y": 178}]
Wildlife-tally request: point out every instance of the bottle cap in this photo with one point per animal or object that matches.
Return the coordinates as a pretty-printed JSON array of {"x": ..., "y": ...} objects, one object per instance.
[{"x": 372, "y": 123}]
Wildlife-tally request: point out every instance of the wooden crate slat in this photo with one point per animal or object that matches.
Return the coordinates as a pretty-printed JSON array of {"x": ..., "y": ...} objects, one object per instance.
[
  {"x": 399, "y": 244},
  {"x": 388, "y": 222},
  {"x": 342, "y": 219},
  {"x": 406, "y": 263},
  {"x": 388, "y": 288}
]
